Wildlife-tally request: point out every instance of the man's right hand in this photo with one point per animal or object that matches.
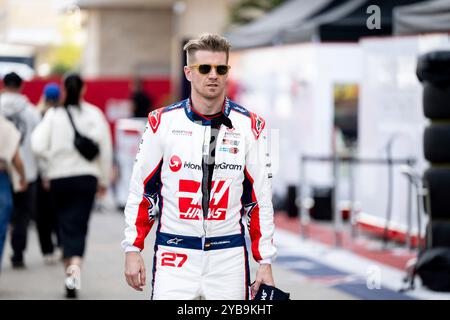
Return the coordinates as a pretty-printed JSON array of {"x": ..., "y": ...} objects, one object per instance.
[{"x": 135, "y": 270}]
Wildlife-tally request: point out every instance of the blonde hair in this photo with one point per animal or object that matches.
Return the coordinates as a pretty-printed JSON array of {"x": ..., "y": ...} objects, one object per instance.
[{"x": 209, "y": 42}]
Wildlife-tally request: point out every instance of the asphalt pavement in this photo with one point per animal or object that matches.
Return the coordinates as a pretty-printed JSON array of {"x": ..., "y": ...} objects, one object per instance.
[{"x": 102, "y": 272}]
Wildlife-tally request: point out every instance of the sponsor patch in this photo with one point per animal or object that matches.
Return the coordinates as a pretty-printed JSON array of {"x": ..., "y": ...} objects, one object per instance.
[
  {"x": 174, "y": 106},
  {"x": 227, "y": 106},
  {"x": 232, "y": 150},
  {"x": 232, "y": 134},
  {"x": 175, "y": 163},
  {"x": 230, "y": 142},
  {"x": 192, "y": 166},
  {"x": 228, "y": 166},
  {"x": 217, "y": 243},
  {"x": 182, "y": 133},
  {"x": 175, "y": 241}
]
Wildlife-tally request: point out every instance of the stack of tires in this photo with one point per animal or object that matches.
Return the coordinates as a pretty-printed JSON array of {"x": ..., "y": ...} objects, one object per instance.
[{"x": 433, "y": 70}]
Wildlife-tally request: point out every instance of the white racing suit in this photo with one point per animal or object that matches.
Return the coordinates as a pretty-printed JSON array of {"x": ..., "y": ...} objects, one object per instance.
[{"x": 201, "y": 253}]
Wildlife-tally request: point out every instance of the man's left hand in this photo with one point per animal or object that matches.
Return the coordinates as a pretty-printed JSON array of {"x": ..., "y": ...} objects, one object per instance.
[{"x": 263, "y": 275}]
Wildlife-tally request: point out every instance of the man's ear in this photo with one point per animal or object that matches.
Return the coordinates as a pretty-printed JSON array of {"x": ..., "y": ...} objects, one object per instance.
[{"x": 187, "y": 73}]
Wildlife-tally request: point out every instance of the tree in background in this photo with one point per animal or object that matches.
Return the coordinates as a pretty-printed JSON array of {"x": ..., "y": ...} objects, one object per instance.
[{"x": 67, "y": 55}]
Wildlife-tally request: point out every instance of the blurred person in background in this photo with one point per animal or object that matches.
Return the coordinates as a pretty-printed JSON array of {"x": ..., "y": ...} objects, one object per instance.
[
  {"x": 45, "y": 215},
  {"x": 9, "y": 156},
  {"x": 140, "y": 100},
  {"x": 16, "y": 108},
  {"x": 51, "y": 97},
  {"x": 204, "y": 162},
  {"x": 74, "y": 179}
]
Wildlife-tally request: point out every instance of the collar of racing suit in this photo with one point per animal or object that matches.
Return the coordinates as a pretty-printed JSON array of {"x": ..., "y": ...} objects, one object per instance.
[{"x": 209, "y": 120}]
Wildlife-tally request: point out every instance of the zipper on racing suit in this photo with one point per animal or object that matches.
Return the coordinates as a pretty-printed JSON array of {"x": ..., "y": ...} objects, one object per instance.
[
  {"x": 208, "y": 162},
  {"x": 210, "y": 138},
  {"x": 205, "y": 175}
]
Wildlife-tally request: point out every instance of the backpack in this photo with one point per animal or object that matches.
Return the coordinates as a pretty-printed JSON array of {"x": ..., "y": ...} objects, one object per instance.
[{"x": 433, "y": 268}]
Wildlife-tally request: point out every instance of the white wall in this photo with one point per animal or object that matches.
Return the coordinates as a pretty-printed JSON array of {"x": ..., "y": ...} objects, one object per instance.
[
  {"x": 391, "y": 105},
  {"x": 292, "y": 88}
]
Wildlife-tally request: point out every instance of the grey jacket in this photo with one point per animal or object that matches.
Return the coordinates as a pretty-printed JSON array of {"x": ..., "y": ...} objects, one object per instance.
[{"x": 16, "y": 108}]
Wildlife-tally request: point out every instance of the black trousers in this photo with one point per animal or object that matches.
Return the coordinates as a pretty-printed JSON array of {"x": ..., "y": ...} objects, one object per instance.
[
  {"x": 45, "y": 220},
  {"x": 73, "y": 199},
  {"x": 24, "y": 206}
]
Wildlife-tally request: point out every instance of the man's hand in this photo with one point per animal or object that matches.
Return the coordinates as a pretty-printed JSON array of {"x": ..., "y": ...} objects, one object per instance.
[
  {"x": 263, "y": 275},
  {"x": 135, "y": 270}
]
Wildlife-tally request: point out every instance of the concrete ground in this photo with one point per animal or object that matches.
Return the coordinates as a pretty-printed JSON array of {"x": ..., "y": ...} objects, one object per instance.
[{"x": 102, "y": 273}]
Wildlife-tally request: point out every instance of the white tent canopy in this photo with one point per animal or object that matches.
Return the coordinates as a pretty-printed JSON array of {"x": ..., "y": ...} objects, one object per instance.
[
  {"x": 268, "y": 29},
  {"x": 431, "y": 16},
  {"x": 309, "y": 29}
]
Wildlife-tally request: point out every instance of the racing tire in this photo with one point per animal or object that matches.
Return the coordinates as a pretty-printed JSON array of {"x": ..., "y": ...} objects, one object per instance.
[
  {"x": 434, "y": 67},
  {"x": 436, "y": 102},
  {"x": 437, "y": 181},
  {"x": 436, "y": 143}
]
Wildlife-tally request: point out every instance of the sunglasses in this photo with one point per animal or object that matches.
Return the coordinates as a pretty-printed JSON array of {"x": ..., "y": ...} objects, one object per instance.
[{"x": 221, "y": 69}]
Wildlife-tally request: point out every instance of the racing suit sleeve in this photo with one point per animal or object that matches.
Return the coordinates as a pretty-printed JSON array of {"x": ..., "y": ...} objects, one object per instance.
[
  {"x": 257, "y": 200},
  {"x": 145, "y": 187}
]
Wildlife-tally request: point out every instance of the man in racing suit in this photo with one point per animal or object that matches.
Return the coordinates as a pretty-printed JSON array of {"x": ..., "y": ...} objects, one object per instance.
[{"x": 204, "y": 162}]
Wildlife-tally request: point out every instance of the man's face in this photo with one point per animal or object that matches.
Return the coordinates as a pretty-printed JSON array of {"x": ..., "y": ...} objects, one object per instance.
[{"x": 211, "y": 85}]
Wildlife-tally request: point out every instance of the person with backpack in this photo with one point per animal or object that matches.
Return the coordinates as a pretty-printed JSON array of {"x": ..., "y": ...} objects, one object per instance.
[
  {"x": 16, "y": 108},
  {"x": 75, "y": 140}
]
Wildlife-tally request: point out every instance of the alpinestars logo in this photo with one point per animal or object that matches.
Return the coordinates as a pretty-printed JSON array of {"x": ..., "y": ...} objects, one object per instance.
[
  {"x": 190, "y": 200},
  {"x": 175, "y": 241},
  {"x": 175, "y": 163}
]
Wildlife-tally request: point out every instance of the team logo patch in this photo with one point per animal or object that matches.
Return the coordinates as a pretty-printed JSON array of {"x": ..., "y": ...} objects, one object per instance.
[
  {"x": 154, "y": 119},
  {"x": 152, "y": 200},
  {"x": 258, "y": 124},
  {"x": 175, "y": 163},
  {"x": 248, "y": 208},
  {"x": 190, "y": 200}
]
